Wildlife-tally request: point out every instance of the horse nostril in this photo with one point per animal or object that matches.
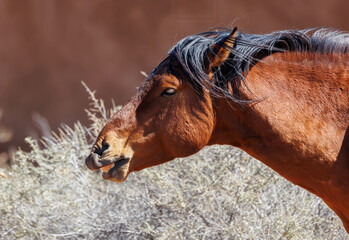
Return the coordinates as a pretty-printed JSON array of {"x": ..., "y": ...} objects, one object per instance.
[
  {"x": 105, "y": 146},
  {"x": 99, "y": 150}
]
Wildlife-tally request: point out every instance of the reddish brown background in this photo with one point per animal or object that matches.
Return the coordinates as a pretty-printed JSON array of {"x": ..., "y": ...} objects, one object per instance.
[{"x": 48, "y": 46}]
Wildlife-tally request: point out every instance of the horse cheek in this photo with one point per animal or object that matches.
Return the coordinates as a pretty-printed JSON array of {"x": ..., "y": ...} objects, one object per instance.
[{"x": 190, "y": 137}]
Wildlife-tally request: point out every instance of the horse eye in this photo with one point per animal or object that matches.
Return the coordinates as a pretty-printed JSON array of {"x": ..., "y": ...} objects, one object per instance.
[{"x": 168, "y": 92}]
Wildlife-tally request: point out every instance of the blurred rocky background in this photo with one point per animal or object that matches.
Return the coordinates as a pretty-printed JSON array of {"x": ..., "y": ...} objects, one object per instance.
[{"x": 47, "y": 47}]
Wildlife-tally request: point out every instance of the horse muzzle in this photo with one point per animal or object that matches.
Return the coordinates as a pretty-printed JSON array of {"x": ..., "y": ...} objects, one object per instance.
[{"x": 95, "y": 162}]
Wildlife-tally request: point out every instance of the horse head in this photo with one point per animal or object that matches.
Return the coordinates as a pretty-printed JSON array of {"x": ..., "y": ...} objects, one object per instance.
[{"x": 167, "y": 118}]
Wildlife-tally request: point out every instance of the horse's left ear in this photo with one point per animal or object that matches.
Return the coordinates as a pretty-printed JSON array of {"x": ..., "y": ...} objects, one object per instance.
[{"x": 219, "y": 51}]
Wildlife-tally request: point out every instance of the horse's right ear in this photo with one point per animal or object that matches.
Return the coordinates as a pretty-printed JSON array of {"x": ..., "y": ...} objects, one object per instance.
[{"x": 219, "y": 51}]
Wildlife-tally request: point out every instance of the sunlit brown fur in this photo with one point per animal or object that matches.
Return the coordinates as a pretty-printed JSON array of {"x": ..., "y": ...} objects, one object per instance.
[{"x": 299, "y": 127}]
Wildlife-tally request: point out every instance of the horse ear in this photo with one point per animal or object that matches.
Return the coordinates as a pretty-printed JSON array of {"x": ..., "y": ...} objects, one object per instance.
[{"x": 219, "y": 51}]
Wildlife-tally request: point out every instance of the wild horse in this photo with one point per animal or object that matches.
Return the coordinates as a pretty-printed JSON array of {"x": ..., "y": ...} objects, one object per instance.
[{"x": 281, "y": 97}]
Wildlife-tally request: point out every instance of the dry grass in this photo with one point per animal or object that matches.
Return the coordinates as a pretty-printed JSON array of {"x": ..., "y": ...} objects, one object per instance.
[{"x": 219, "y": 193}]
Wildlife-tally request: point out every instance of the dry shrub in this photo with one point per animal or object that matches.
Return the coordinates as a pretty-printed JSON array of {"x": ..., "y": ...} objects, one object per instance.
[
  {"x": 5, "y": 133},
  {"x": 219, "y": 193}
]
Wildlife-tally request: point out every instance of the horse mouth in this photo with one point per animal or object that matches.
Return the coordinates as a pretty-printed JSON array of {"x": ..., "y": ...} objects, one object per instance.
[{"x": 116, "y": 171}]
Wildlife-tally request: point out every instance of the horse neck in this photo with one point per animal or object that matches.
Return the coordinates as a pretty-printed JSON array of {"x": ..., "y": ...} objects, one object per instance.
[{"x": 298, "y": 126}]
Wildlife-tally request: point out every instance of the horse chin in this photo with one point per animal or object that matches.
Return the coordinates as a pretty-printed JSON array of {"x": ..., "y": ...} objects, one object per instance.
[{"x": 116, "y": 172}]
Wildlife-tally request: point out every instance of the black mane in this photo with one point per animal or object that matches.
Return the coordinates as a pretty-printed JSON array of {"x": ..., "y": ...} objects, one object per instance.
[{"x": 250, "y": 48}]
